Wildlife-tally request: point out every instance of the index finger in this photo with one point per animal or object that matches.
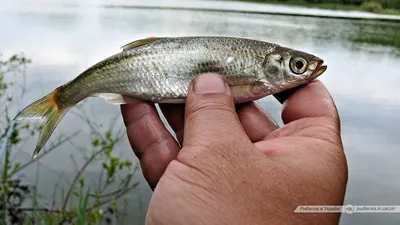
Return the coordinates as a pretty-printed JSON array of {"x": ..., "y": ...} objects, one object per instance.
[
  {"x": 310, "y": 100},
  {"x": 152, "y": 143}
]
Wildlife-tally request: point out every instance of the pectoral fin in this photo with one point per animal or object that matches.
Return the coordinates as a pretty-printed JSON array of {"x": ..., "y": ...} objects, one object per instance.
[{"x": 111, "y": 98}]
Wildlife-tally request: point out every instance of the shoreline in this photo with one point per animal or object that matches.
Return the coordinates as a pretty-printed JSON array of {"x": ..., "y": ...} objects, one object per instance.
[
  {"x": 227, "y": 6},
  {"x": 327, "y": 6},
  {"x": 227, "y": 10}
]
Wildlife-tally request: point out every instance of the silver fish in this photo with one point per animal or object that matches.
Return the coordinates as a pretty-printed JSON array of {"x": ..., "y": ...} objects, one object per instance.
[{"x": 160, "y": 69}]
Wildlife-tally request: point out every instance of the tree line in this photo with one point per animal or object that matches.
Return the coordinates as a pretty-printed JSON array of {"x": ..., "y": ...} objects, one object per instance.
[{"x": 393, "y": 4}]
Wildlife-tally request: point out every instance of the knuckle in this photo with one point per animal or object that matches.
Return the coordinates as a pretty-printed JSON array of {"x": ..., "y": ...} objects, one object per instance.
[
  {"x": 157, "y": 145},
  {"x": 327, "y": 133},
  {"x": 208, "y": 105},
  {"x": 208, "y": 110}
]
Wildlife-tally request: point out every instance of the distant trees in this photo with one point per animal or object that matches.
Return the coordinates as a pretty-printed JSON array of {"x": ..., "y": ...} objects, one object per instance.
[{"x": 393, "y": 4}]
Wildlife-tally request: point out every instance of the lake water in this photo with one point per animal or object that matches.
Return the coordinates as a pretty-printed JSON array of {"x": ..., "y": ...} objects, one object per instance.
[{"x": 66, "y": 37}]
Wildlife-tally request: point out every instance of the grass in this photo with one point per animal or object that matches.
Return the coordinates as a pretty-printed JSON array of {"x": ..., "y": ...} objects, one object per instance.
[
  {"x": 332, "y": 6},
  {"x": 384, "y": 34}
]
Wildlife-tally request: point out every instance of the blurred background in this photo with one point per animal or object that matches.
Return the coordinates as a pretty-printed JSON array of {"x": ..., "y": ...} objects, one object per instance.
[{"x": 87, "y": 171}]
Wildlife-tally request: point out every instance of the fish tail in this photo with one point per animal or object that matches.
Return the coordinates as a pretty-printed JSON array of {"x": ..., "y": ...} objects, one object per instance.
[{"x": 45, "y": 108}]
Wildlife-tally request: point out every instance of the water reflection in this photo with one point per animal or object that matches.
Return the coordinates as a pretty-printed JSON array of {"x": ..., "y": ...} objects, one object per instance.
[{"x": 363, "y": 75}]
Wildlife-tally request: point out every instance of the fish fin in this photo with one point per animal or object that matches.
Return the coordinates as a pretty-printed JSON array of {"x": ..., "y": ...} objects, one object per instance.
[
  {"x": 173, "y": 101},
  {"x": 45, "y": 108},
  {"x": 111, "y": 98},
  {"x": 140, "y": 42}
]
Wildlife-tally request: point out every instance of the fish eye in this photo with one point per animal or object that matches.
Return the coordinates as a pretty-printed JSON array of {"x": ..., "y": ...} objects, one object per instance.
[{"x": 298, "y": 65}]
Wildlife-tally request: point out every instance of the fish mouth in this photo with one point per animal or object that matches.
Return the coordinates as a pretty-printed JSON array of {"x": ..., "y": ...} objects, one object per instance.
[{"x": 321, "y": 68}]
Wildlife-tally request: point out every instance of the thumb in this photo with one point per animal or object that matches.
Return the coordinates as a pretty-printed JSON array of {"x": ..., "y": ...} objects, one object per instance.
[{"x": 210, "y": 116}]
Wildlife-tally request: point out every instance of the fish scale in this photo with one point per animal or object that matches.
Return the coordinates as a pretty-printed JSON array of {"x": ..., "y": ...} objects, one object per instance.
[{"x": 161, "y": 69}]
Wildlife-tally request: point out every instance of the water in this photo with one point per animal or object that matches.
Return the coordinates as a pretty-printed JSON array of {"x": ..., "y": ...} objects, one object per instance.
[{"x": 363, "y": 56}]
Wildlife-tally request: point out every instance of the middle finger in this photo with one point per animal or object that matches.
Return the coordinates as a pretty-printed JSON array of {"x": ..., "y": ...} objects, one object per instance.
[
  {"x": 256, "y": 122},
  {"x": 175, "y": 114}
]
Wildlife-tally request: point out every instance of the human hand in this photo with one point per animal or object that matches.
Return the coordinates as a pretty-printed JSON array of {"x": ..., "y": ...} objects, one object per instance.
[{"x": 239, "y": 167}]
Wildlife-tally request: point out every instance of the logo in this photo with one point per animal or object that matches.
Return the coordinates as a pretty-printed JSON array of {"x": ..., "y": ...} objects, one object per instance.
[{"x": 349, "y": 209}]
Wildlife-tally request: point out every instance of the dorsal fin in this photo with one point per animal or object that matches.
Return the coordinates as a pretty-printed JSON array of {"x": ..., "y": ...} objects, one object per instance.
[{"x": 141, "y": 42}]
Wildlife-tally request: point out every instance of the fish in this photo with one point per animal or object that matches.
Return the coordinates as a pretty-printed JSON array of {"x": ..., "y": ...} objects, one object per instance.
[{"x": 160, "y": 70}]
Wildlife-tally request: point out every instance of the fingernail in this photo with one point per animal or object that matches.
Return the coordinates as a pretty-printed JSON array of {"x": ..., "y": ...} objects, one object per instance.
[{"x": 209, "y": 83}]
